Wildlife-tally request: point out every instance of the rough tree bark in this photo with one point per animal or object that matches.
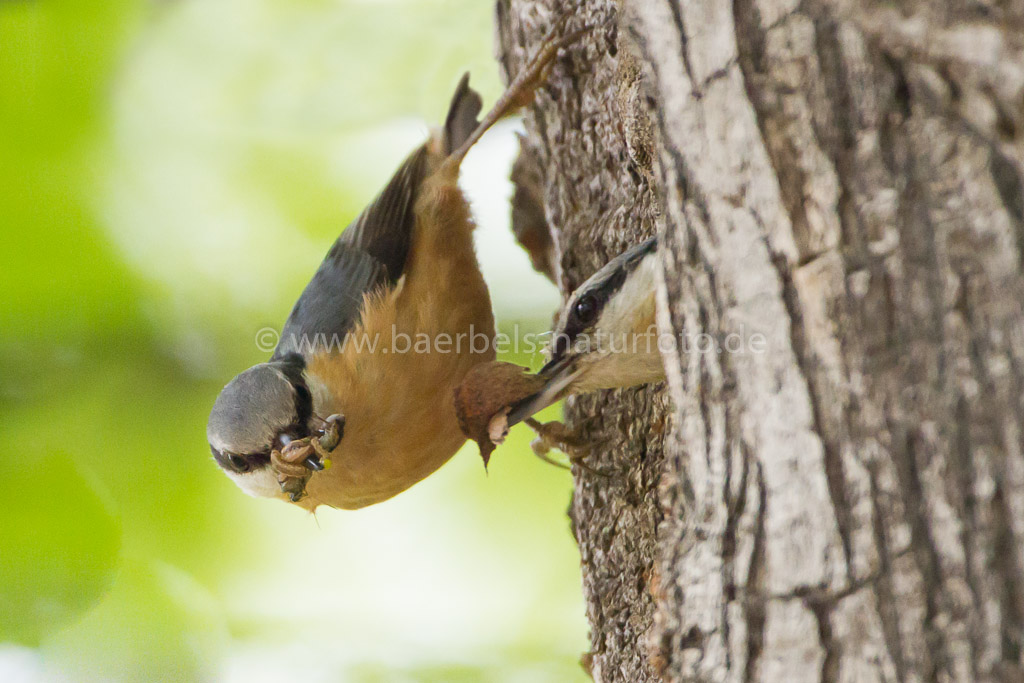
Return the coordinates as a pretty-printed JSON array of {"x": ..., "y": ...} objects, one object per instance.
[{"x": 843, "y": 178}]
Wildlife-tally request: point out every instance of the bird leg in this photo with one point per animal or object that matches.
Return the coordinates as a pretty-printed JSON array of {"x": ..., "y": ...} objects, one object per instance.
[
  {"x": 296, "y": 462},
  {"x": 520, "y": 91}
]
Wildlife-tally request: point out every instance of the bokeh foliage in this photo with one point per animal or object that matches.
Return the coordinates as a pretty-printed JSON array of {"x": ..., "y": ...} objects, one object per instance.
[{"x": 170, "y": 173}]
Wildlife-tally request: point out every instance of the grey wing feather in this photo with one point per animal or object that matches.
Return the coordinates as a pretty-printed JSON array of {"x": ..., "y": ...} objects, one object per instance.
[
  {"x": 370, "y": 254},
  {"x": 384, "y": 228}
]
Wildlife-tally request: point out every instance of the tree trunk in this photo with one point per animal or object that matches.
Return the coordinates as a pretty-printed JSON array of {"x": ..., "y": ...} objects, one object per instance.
[{"x": 840, "y": 180}]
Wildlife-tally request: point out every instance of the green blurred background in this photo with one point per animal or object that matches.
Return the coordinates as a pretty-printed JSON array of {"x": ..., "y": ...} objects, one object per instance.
[{"x": 171, "y": 173}]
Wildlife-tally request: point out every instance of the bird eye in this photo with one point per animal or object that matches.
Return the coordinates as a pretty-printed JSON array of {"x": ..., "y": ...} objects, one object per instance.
[
  {"x": 238, "y": 463},
  {"x": 585, "y": 309}
]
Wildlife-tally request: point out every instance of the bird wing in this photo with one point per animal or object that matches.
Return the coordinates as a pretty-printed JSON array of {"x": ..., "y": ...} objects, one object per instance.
[
  {"x": 370, "y": 254},
  {"x": 384, "y": 229}
]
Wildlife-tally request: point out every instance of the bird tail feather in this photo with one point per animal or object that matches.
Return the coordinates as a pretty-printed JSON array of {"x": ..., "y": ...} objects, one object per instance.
[{"x": 462, "y": 115}]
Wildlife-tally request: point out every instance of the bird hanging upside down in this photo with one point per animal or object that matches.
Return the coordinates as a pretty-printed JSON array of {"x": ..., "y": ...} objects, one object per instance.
[{"x": 341, "y": 414}]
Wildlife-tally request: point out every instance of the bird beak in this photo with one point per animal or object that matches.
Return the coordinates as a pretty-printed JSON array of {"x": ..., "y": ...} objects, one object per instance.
[{"x": 559, "y": 373}]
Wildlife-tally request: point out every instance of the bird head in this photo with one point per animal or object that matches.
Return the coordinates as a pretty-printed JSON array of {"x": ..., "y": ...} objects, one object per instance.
[
  {"x": 260, "y": 410},
  {"x": 605, "y": 336}
]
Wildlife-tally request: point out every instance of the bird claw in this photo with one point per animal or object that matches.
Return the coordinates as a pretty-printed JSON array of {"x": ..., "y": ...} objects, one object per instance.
[
  {"x": 555, "y": 435},
  {"x": 333, "y": 430},
  {"x": 539, "y": 65},
  {"x": 521, "y": 90},
  {"x": 296, "y": 462}
]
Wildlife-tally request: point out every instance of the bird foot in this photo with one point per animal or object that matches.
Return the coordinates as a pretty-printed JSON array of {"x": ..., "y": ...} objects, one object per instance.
[
  {"x": 296, "y": 462},
  {"x": 521, "y": 90},
  {"x": 556, "y": 435}
]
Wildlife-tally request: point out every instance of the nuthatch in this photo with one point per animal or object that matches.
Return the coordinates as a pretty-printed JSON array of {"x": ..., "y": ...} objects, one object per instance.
[
  {"x": 337, "y": 391},
  {"x": 605, "y": 338}
]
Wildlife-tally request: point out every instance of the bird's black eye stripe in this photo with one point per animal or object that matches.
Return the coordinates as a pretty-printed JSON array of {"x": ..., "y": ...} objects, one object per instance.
[
  {"x": 587, "y": 309},
  {"x": 239, "y": 462},
  {"x": 293, "y": 365},
  {"x": 588, "y": 306},
  {"x": 303, "y": 410},
  {"x": 560, "y": 346}
]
